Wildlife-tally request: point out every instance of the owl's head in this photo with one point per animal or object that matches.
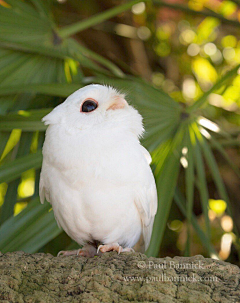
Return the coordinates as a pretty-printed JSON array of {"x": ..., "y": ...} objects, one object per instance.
[{"x": 96, "y": 106}]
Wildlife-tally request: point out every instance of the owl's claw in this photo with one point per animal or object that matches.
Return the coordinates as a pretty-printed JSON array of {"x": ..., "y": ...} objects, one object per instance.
[
  {"x": 115, "y": 247},
  {"x": 68, "y": 253},
  {"x": 128, "y": 249},
  {"x": 87, "y": 251}
]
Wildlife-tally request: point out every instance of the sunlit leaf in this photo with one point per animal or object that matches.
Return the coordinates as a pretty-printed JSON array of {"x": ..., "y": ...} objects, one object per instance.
[
  {"x": 4, "y": 136},
  {"x": 218, "y": 206},
  {"x": 203, "y": 99},
  {"x": 9, "y": 140},
  {"x": 166, "y": 180},
  {"x": 11, "y": 195}
]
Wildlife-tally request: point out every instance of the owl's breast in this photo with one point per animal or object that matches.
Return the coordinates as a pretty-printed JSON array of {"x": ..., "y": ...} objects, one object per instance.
[{"x": 83, "y": 157}]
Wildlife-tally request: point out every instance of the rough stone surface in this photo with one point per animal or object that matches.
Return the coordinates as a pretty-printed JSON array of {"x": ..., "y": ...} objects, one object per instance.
[{"x": 116, "y": 278}]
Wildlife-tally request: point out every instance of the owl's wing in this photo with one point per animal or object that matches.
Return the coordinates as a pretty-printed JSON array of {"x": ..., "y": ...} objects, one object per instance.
[
  {"x": 43, "y": 192},
  {"x": 146, "y": 201},
  {"x": 146, "y": 155},
  {"x": 41, "y": 188}
]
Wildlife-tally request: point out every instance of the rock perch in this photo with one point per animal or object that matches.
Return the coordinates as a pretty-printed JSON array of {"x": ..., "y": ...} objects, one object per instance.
[{"x": 116, "y": 278}]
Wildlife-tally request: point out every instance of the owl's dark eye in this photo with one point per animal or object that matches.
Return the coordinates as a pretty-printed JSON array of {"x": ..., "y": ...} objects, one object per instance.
[{"x": 89, "y": 106}]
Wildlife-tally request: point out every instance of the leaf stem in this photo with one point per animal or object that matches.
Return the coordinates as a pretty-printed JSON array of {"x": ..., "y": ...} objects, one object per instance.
[{"x": 96, "y": 19}]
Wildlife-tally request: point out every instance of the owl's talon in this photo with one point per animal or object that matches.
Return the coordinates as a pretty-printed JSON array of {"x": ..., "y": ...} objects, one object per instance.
[
  {"x": 68, "y": 253},
  {"x": 87, "y": 251},
  {"x": 99, "y": 248},
  {"x": 113, "y": 247},
  {"x": 128, "y": 249}
]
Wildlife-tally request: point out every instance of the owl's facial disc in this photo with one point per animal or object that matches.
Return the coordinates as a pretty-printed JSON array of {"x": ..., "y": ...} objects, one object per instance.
[{"x": 89, "y": 105}]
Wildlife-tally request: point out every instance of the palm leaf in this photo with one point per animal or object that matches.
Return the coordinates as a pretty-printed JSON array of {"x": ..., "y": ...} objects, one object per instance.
[
  {"x": 13, "y": 170},
  {"x": 189, "y": 180},
  {"x": 84, "y": 24},
  {"x": 30, "y": 230},
  {"x": 178, "y": 198},
  {"x": 25, "y": 120},
  {"x": 166, "y": 183},
  {"x": 166, "y": 173},
  {"x": 202, "y": 184},
  {"x": 215, "y": 144},
  {"x": 217, "y": 177},
  {"x": 11, "y": 195},
  {"x": 4, "y": 136},
  {"x": 52, "y": 89}
]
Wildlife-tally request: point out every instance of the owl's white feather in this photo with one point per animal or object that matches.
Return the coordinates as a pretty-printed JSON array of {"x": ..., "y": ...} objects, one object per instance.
[{"x": 95, "y": 172}]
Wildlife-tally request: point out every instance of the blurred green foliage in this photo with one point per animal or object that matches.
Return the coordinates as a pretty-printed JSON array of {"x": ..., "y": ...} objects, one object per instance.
[{"x": 182, "y": 74}]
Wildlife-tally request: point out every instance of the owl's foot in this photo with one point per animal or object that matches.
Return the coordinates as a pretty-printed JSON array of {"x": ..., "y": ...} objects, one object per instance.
[
  {"x": 87, "y": 251},
  {"x": 68, "y": 253},
  {"x": 114, "y": 246}
]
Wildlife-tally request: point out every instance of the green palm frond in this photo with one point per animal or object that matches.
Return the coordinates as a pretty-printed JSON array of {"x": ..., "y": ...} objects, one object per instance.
[{"x": 30, "y": 230}]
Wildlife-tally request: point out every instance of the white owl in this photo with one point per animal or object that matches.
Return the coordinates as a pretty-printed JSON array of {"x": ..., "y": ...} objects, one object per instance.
[{"x": 96, "y": 174}]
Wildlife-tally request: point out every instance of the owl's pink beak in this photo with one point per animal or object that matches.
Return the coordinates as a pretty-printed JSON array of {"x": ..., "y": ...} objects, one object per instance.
[{"x": 118, "y": 103}]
